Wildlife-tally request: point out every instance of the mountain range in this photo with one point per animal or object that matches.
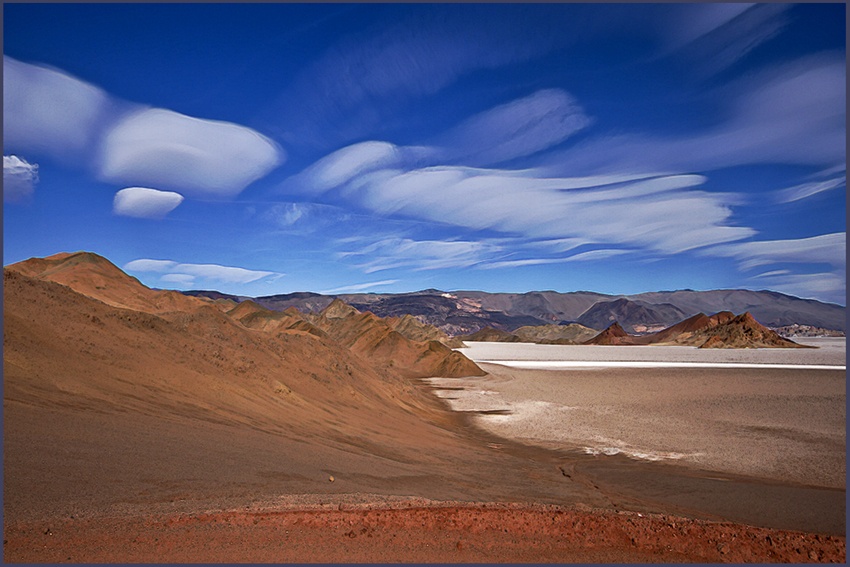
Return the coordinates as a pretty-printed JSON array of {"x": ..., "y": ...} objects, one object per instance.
[{"x": 466, "y": 312}]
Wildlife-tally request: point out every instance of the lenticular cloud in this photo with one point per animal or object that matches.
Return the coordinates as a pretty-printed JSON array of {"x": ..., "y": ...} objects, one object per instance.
[
  {"x": 160, "y": 147},
  {"x": 144, "y": 202},
  {"x": 49, "y": 112}
]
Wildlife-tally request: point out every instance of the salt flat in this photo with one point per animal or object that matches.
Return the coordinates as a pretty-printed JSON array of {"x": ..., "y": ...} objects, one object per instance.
[
  {"x": 767, "y": 421},
  {"x": 829, "y": 352}
]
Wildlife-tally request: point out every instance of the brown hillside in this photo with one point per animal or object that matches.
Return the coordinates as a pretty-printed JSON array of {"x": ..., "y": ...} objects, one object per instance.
[
  {"x": 682, "y": 332},
  {"x": 373, "y": 338},
  {"x": 98, "y": 278},
  {"x": 105, "y": 407},
  {"x": 742, "y": 331},
  {"x": 255, "y": 316},
  {"x": 721, "y": 330},
  {"x": 415, "y": 330}
]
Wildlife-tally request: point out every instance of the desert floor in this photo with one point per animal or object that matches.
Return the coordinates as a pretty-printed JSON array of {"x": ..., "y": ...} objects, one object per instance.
[{"x": 589, "y": 465}]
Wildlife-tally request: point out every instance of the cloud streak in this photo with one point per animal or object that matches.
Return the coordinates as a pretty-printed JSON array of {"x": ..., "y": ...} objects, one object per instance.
[
  {"x": 392, "y": 253},
  {"x": 663, "y": 213},
  {"x": 589, "y": 256},
  {"x": 791, "y": 114},
  {"x": 359, "y": 287},
  {"x": 716, "y": 36},
  {"x": 828, "y": 249},
  {"x": 368, "y": 79},
  {"x": 516, "y": 129}
]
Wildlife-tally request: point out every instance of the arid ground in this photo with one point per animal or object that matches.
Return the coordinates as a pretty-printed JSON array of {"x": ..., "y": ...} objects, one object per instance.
[{"x": 148, "y": 435}]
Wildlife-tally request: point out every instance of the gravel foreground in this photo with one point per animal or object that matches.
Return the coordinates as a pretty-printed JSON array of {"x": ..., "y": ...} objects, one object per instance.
[{"x": 411, "y": 531}]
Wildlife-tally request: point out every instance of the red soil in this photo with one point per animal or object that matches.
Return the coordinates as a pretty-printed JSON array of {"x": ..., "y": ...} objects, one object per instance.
[{"x": 446, "y": 534}]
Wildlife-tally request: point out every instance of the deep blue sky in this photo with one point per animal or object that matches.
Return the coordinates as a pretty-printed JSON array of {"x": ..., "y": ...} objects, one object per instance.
[{"x": 269, "y": 148}]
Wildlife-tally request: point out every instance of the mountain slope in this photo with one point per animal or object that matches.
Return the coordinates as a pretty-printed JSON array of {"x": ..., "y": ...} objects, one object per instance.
[
  {"x": 373, "y": 338},
  {"x": 633, "y": 316},
  {"x": 464, "y": 312},
  {"x": 109, "y": 410},
  {"x": 96, "y": 277},
  {"x": 722, "y": 330}
]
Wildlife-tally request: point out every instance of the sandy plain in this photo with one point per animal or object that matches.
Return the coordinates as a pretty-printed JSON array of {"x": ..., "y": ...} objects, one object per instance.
[{"x": 783, "y": 421}]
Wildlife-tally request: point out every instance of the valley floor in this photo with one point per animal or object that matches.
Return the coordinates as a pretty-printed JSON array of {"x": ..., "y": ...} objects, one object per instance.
[{"x": 113, "y": 484}]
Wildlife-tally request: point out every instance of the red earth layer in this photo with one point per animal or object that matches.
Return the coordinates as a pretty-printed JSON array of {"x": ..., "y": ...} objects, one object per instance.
[{"x": 455, "y": 534}]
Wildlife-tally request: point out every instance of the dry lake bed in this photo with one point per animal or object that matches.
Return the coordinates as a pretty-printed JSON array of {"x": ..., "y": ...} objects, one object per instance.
[{"x": 774, "y": 414}]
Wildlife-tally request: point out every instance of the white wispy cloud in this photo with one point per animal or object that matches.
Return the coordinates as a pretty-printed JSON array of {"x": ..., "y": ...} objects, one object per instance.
[
  {"x": 827, "y": 248},
  {"x": 19, "y": 179},
  {"x": 346, "y": 164},
  {"x": 664, "y": 214},
  {"x": 687, "y": 23},
  {"x": 793, "y": 113},
  {"x": 589, "y": 256},
  {"x": 144, "y": 202},
  {"x": 392, "y": 253},
  {"x": 517, "y": 129},
  {"x": 714, "y": 36},
  {"x": 212, "y": 272},
  {"x": 359, "y": 287},
  {"x": 49, "y": 112},
  {"x": 825, "y": 286},
  {"x": 804, "y": 190},
  {"x": 372, "y": 77}
]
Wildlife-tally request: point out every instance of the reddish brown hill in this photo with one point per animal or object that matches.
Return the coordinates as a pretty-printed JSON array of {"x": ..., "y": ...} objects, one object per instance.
[
  {"x": 415, "y": 330},
  {"x": 721, "y": 330},
  {"x": 684, "y": 330},
  {"x": 742, "y": 331},
  {"x": 255, "y": 316},
  {"x": 98, "y": 278},
  {"x": 373, "y": 338},
  {"x": 62, "y": 347},
  {"x": 106, "y": 406},
  {"x": 489, "y": 334},
  {"x": 613, "y": 335}
]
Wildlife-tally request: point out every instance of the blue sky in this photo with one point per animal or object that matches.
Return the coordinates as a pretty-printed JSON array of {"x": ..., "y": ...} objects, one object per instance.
[{"x": 270, "y": 148}]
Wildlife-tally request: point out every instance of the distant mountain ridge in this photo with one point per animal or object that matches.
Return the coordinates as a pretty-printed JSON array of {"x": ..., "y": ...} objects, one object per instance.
[{"x": 466, "y": 312}]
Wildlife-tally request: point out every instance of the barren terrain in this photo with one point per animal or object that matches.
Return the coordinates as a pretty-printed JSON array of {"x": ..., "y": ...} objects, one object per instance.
[{"x": 140, "y": 427}]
